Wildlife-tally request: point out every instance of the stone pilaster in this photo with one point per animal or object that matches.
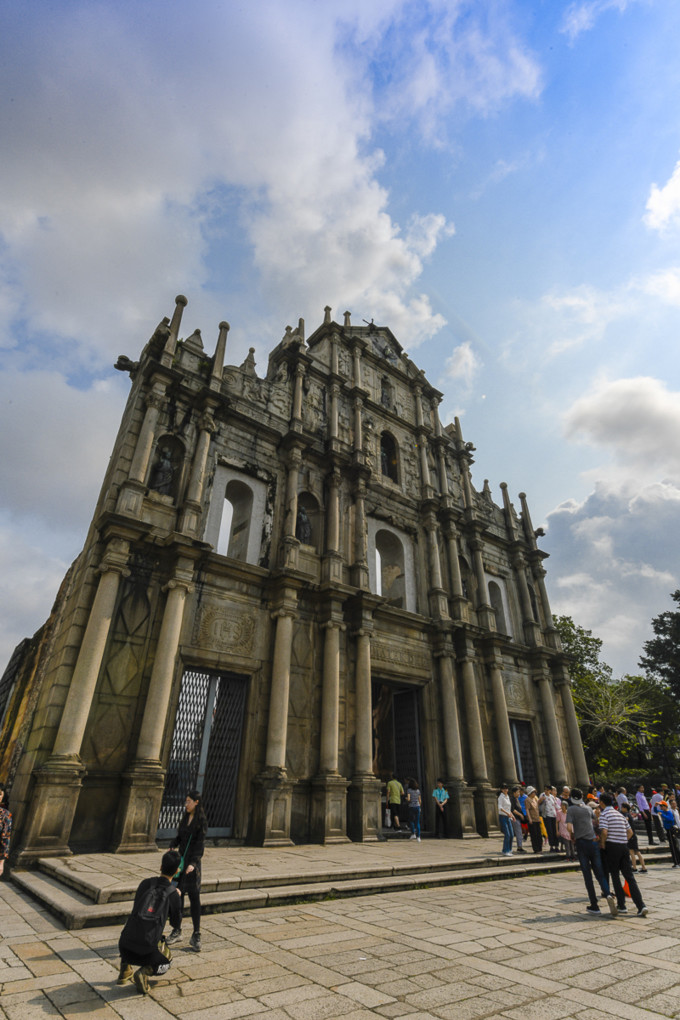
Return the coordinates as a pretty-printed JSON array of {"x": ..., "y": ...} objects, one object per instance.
[
  {"x": 364, "y": 811},
  {"x": 191, "y": 512},
  {"x": 143, "y": 782},
  {"x": 486, "y": 812},
  {"x": 329, "y": 788},
  {"x": 461, "y": 806},
  {"x": 500, "y": 708},
  {"x": 59, "y": 779},
  {"x": 563, "y": 684},
  {"x": 551, "y": 729}
]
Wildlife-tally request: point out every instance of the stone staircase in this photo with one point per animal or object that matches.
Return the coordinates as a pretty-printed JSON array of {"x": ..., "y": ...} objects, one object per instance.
[{"x": 80, "y": 903}]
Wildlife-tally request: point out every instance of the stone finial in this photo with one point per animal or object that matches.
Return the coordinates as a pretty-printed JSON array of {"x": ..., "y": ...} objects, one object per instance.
[
  {"x": 248, "y": 365},
  {"x": 195, "y": 341},
  {"x": 301, "y": 329},
  {"x": 169, "y": 351},
  {"x": 218, "y": 360},
  {"x": 347, "y": 323},
  {"x": 327, "y": 315}
]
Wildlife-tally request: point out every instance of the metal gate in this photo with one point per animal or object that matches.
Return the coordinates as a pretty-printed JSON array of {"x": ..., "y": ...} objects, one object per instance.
[
  {"x": 406, "y": 735},
  {"x": 206, "y": 746}
]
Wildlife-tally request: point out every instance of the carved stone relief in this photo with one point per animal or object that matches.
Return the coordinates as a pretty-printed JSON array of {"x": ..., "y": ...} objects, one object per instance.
[{"x": 224, "y": 630}]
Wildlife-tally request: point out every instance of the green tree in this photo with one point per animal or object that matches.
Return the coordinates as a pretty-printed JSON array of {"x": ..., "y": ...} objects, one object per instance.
[
  {"x": 662, "y": 652},
  {"x": 621, "y": 720}
]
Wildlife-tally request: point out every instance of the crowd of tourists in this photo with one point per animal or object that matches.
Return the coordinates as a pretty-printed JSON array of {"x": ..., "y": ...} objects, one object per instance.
[{"x": 595, "y": 828}]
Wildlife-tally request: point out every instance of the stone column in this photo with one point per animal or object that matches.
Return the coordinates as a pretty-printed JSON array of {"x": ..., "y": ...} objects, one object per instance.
[
  {"x": 364, "y": 818},
  {"x": 131, "y": 493},
  {"x": 277, "y": 726},
  {"x": 550, "y": 629},
  {"x": 500, "y": 708},
  {"x": 143, "y": 782},
  {"x": 359, "y": 571},
  {"x": 439, "y": 608},
  {"x": 575, "y": 743},
  {"x": 532, "y": 631},
  {"x": 551, "y": 730},
  {"x": 297, "y": 392},
  {"x": 274, "y": 796},
  {"x": 461, "y": 807},
  {"x": 191, "y": 514},
  {"x": 486, "y": 812},
  {"x": 458, "y": 598},
  {"x": 485, "y": 614},
  {"x": 289, "y": 544},
  {"x": 358, "y": 432},
  {"x": 59, "y": 779},
  {"x": 329, "y": 797},
  {"x": 333, "y": 561},
  {"x": 218, "y": 360}
]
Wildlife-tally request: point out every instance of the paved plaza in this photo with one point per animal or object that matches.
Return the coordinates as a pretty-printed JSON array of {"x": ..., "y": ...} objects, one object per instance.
[{"x": 520, "y": 948}]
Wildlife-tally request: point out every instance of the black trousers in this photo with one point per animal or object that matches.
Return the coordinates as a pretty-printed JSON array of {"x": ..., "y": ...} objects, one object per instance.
[
  {"x": 551, "y": 829},
  {"x": 190, "y": 883},
  {"x": 647, "y": 819},
  {"x": 535, "y": 836},
  {"x": 154, "y": 958},
  {"x": 618, "y": 863}
]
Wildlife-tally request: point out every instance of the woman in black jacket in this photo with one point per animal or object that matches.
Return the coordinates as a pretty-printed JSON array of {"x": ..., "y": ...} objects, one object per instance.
[{"x": 190, "y": 841}]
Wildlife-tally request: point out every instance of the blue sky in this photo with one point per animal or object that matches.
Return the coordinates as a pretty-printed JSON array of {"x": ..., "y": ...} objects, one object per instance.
[{"x": 498, "y": 181}]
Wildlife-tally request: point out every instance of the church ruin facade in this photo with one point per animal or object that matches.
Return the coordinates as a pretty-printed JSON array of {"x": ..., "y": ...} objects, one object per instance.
[{"x": 290, "y": 589}]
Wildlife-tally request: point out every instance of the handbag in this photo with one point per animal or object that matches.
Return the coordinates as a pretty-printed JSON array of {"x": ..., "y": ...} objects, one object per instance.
[{"x": 180, "y": 869}]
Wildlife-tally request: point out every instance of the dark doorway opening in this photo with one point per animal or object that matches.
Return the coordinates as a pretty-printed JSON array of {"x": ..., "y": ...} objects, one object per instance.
[
  {"x": 206, "y": 748},
  {"x": 396, "y": 735},
  {"x": 523, "y": 748}
]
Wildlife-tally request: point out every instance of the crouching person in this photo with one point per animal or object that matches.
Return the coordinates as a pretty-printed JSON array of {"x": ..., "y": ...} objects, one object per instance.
[{"x": 141, "y": 942}]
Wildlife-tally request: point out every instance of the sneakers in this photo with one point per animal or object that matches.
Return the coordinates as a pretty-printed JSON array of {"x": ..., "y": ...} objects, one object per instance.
[
  {"x": 418, "y": 838},
  {"x": 195, "y": 941},
  {"x": 521, "y": 850},
  {"x": 623, "y": 910},
  {"x": 174, "y": 936},
  {"x": 412, "y": 836},
  {"x": 613, "y": 909},
  {"x": 125, "y": 973},
  {"x": 141, "y": 979},
  {"x": 507, "y": 853},
  {"x": 642, "y": 912},
  {"x": 594, "y": 910}
]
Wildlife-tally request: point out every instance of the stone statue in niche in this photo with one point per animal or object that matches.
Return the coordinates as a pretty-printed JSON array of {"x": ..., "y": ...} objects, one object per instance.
[
  {"x": 385, "y": 393},
  {"x": 162, "y": 474},
  {"x": 303, "y": 527}
]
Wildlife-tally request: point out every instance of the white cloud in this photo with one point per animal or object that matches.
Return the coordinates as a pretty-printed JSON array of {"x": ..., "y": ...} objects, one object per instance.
[
  {"x": 463, "y": 364},
  {"x": 637, "y": 420},
  {"x": 663, "y": 204},
  {"x": 580, "y": 17}
]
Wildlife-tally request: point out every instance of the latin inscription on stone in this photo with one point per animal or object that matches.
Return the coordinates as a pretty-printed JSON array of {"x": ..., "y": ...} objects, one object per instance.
[{"x": 225, "y": 630}]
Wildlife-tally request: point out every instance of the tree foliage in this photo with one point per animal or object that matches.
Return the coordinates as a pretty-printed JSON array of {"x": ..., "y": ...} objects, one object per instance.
[
  {"x": 622, "y": 720},
  {"x": 662, "y": 652}
]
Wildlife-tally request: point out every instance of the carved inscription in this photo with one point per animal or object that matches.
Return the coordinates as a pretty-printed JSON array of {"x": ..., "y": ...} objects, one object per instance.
[
  {"x": 225, "y": 630},
  {"x": 402, "y": 656},
  {"x": 516, "y": 694}
]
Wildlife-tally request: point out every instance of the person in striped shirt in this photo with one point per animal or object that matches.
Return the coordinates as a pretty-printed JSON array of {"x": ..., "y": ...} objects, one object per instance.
[{"x": 614, "y": 835}]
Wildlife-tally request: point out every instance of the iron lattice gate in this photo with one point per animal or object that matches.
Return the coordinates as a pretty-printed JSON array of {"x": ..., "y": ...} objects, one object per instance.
[{"x": 206, "y": 746}]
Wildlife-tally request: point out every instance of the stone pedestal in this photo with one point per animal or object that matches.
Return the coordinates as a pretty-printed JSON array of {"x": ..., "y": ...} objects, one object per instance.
[
  {"x": 486, "y": 810},
  {"x": 332, "y": 569},
  {"x": 364, "y": 812},
  {"x": 461, "y": 809},
  {"x": 329, "y": 809},
  {"x": 139, "y": 807},
  {"x": 272, "y": 809},
  {"x": 53, "y": 806}
]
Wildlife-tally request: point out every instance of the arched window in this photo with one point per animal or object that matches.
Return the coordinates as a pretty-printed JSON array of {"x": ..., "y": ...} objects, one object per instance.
[
  {"x": 496, "y": 600},
  {"x": 390, "y": 575},
  {"x": 389, "y": 462},
  {"x": 307, "y": 524},
  {"x": 236, "y": 518}
]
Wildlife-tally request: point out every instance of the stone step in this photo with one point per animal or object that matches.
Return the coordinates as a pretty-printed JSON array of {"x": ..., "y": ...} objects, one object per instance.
[{"x": 76, "y": 910}]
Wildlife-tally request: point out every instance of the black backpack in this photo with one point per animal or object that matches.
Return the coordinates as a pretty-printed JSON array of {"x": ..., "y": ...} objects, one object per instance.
[{"x": 145, "y": 924}]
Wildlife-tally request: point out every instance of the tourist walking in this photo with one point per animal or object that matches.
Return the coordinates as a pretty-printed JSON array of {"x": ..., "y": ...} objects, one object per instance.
[
  {"x": 563, "y": 831},
  {"x": 654, "y": 802},
  {"x": 614, "y": 835},
  {"x": 548, "y": 810},
  {"x": 534, "y": 820},
  {"x": 141, "y": 942},
  {"x": 644, "y": 811},
  {"x": 580, "y": 826},
  {"x": 636, "y": 857},
  {"x": 518, "y": 819},
  {"x": 505, "y": 818},
  {"x": 395, "y": 793},
  {"x": 5, "y": 827},
  {"x": 414, "y": 805},
  {"x": 190, "y": 841},
  {"x": 440, "y": 795},
  {"x": 670, "y": 828}
]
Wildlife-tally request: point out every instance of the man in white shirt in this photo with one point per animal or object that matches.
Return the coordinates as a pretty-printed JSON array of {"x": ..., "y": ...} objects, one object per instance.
[
  {"x": 653, "y": 805},
  {"x": 645, "y": 811},
  {"x": 505, "y": 817},
  {"x": 614, "y": 835}
]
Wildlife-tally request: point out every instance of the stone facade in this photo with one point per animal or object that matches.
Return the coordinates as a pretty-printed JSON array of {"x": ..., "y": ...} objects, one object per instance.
[{"x": 290, "y": 589}]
